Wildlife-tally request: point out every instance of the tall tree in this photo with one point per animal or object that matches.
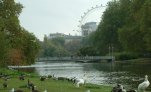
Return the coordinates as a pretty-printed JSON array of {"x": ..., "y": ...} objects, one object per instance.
[
  {"x": 113, "y": 18},
  {"x": 23, "y": 46},
  {"x": 4, "y": 47},
  {"x": 125, "y": 25},
  {"x": 136, "y": 30}
]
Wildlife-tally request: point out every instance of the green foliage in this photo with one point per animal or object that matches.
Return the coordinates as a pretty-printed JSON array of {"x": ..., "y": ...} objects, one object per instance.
[
  {"x": 106, "y": 34},
  {"x": 125, "y": 25},
  {"x": 145, "y": 24},
  {"x": 21, "y": 46},
  {"x": 53, "y": 47},
  {"x": 58, "y": 41},
  {"x": 88, "y": 51},
  {"x": 4, "y": 47},
  {"x": 9, "y": 12},
  {"x": 135, "y": 34},
  {"x": 131, "y": 39},
  {"x": 30, "y": 46},
  {"x": 125, "y": 56},
  {"x": 73, "y": 46}
]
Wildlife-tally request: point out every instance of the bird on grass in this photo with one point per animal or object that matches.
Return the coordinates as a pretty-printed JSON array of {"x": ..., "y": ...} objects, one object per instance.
[
  {"x": 131, "y": 90},
  {"x": 5, "y": 84},
  {"x": 18, "y": 90},
  {"x": 87, "y": 90},
  {"x": 79, "y": 81},
  {"x": 33, "y": 89},
  {"x": 12, "y": 90},
  {"x": 119, "y": 88},
  {"x": 45, "y": 91}
]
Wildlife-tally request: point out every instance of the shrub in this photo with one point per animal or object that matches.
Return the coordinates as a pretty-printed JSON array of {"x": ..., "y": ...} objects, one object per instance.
[{"x": 125, "y": 56}]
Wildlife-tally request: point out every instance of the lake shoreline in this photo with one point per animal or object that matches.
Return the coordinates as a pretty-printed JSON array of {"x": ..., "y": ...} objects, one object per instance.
[
  {"x": 139, "y": 60},
  {"x": 49, "y": 84}
]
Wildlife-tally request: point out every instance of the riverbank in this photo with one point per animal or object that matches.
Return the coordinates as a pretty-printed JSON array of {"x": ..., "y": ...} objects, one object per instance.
[
  {"x": 139, "y": 60},
  {"x": 50, "y": 84}
]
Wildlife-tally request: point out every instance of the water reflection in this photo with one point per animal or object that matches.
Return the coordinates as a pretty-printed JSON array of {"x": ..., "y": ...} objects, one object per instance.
[{"x": 130, "y": 75}]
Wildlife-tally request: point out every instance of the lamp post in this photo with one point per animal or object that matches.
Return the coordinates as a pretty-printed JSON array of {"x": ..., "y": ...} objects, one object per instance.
[
  {"x": 112, "y": 52},
  {"x": 109, "y": 50}
]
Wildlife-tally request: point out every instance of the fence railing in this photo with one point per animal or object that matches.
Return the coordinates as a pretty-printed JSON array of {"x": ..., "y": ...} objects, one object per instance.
[{"x": 76, "y": 58}]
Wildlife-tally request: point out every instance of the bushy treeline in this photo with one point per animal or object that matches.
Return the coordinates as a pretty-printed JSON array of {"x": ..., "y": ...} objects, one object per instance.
[
  {"x": 54, "y": 47},
  {"x": 59, "y": 46},
  {"x": 125, "y": 27},
  {"x": 17, "y": 45}
]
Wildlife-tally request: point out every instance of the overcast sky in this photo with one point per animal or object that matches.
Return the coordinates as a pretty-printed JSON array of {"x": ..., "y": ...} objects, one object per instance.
[{"x": 50, "y": 16}]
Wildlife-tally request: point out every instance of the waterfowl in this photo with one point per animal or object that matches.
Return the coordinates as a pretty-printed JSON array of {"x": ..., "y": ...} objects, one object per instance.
[
  {"x": 142, "y": 86},
  {"x": 79, "y": 81}
]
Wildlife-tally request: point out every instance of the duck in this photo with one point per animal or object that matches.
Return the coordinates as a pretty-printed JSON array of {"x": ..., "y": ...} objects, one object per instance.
[
  {"x": 79, "y": 81},
  {"x": 42, "y": 78},
  {"x": 45, "y": 91},
  {"x": 12, "y": 90},
  {"x": 142, "y": 86},
  {"x": 131, "y": 90},
  {"x": 33, "y": 89},
  {"x": 119, "y": 88},
  {"x": 21, "y": 77},
  {"x": 5, "y": 84},
  {"x": 29, "y": 84},
  {"x": 87, "y": 90},
  {"x": 18, "y": 90}
]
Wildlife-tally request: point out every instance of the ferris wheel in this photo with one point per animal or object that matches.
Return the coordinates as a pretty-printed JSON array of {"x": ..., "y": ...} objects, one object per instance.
[{"x": 87, "y": 13}]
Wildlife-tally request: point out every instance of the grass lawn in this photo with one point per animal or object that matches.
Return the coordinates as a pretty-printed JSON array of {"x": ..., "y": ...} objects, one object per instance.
[{"x": 49, "y": 84}]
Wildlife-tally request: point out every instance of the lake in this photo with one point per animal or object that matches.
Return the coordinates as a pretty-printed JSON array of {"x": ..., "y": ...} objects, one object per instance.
[{"x": 130, "y": 75}]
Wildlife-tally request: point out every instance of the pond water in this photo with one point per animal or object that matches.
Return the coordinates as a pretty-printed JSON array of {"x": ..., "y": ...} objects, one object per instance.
[{"x": 130, "y": 75}]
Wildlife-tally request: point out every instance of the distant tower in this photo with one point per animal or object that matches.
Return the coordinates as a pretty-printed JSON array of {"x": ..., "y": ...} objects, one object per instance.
[{"x": 88, "y": 27}]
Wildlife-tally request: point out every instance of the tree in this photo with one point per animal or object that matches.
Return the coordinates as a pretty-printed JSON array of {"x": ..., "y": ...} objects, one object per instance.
[
  {"x": 30, "y": 46},
  {"x": 107, "y": 34},
  {"x": 53, "y": 47},
  {"x": 23, "y": 46},
  {"x": 73, "y": 46},
  {"x": 88, "y": 51},
  {"x": 58, "y": 41},
  {"x": 125, "y": 25},
  {"x": 4, "y": 48},
  {"x": 136, "y": 30},
  {"x": 145, "y": 24},
  {"x": 9, "y": 12}
]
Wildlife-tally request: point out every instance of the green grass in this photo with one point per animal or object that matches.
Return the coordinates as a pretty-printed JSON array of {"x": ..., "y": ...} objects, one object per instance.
[{"x": 49, "y": 84}]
